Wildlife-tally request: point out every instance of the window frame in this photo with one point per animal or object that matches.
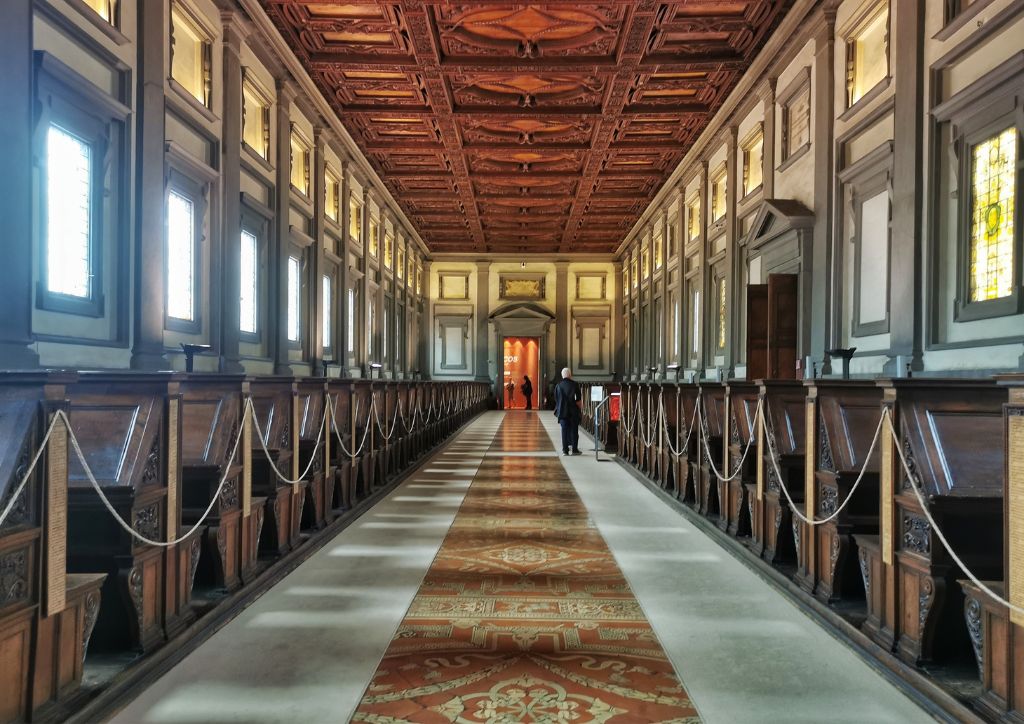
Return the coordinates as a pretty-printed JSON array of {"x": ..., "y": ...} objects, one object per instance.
[
  {"x": 329, "y": 323},
  {"x": 788, "y": 155},
  {"x": 66, "y": 99},
  {"x": 331, "y": 177},
  {"x": 865, "y": 17},
  {"x": 296, "y": 135},
  {"x": 256, "y": 221},
  {"x": 721, "y": 174},
  {"x": 981, "y": 128},
  {"x": 297, "y": 254},
  {"x": 755, "y": 136},
  {"x": 194, "y": 191},
  {"x": 254, "y": 89},
  {"x": 206, "y": 38}
]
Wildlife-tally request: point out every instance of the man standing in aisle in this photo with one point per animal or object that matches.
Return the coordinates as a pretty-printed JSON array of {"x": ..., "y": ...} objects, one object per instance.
[{"x": 568, "y": 403}]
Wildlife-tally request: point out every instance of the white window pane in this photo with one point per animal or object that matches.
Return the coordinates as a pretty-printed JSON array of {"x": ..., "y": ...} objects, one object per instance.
[
  {"x": 294, "y": 299},
  {"x": 350, "y": 320},
  {"x": 328, "y": 315},
  {"x": 181, "y": 232},
  {"x": 385, "y": 335},
  {"x": 247, "y": 321},
  {"x": 69, "y": 213}
]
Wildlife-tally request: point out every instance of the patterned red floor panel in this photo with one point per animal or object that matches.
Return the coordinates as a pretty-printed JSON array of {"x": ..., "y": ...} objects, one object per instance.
[{"x": 524, "y": 616}]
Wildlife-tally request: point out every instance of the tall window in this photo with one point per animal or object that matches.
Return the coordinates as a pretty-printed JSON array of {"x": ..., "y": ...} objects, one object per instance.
[
  {"x": 694, "y": 323},
  {"x": 400, "y": 262},
  {"x": 752, "y": 158},
  {"x": 181, "y": 255},
  {"x": 332, "y": 196},
  {"x": 718, "y": 192},
  {"x": 645, "y": 263},
  {"x": 634, "y": 271},
  {"x": 658, "y": 252},
  {"x": 370, "y": 320},
  {"x": 69, "y": 214},
  {"x": 389, "y": 250},
  {"x": 294, "y": 298},
  {"x": 867, "y": 54},
  {"x": 300, "y": 163},
  {"x": 248, "y": 319},
  {"x": 255, "y": 121},
  {"x": 328, "y": 312},
  {"x": 191, "y": 56},
  {"x": 993, "y": 194},
  {"x": 350, "y": 321},
  {"x": 385, "y": 332},
  {"x": 625, "y": 279}
]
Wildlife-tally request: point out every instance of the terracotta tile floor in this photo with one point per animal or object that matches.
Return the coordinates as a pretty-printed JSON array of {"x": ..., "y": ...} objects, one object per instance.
[{"x": 524, "y": 615}]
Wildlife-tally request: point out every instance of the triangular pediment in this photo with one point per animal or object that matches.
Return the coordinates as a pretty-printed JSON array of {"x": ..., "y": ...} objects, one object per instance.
[
  {"x": 776, "y": 217},
  {"x": 522, "y": 310}
]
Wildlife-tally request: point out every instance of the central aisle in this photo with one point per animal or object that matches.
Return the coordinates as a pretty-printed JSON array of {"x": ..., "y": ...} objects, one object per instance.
[
  {"x": 524, "y": 615},
  {"x": 504, "y": 583}
]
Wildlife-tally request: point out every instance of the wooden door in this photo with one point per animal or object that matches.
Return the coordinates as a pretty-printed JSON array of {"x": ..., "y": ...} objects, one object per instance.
[
  {"x": 757, "y": 331},
  {"x": 783, "y": 322}
]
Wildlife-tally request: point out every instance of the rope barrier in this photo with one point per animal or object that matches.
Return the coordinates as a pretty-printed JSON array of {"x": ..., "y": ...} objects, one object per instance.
[
  {"x": 678, "y": 453},
  {"x": 773, "y": 455},
  {"x": 273, "y": 465},
  {"x": 117, "y": 517},
  {"x": 707, "y": 448},
  {"x": 935, "y": 526},
  {"x": 28, "y": 474}
]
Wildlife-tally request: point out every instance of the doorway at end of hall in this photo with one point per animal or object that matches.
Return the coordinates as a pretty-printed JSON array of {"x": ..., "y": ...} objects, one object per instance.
[{"x": 521, "y": 360}]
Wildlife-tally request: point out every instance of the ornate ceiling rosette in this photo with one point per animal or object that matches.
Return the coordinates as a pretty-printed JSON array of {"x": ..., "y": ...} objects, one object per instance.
[{"x": 474, "y": 111}]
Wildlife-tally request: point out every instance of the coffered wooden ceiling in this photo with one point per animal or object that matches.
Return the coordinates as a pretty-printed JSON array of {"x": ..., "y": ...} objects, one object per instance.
[{"x": 525, "y": 128}]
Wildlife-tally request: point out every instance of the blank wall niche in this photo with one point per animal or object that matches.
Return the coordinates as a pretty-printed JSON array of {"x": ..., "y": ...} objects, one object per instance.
[
  {"x": 590, "y": 340},
  {"x": 452, "y": 348}
]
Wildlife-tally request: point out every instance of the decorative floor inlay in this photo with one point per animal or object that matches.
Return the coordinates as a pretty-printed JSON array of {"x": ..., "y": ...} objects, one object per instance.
[{"x": 524, "y": 615}]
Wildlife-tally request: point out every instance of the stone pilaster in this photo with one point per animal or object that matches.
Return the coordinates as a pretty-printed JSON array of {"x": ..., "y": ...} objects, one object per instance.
[
  {"x": 230, "y": 276},
  {"x": 279, "y": 259},
  {"x": 316, "y": 307},
  {"x": 483, "y": 279},
  {"x": 149, "y": 302},
  {"x": 16, "y": 276},
  {"x": 561, "y": 355},
  {"x": 822, "y": 134}
]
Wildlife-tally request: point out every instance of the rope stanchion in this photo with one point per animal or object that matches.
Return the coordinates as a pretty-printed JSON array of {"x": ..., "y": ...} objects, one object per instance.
[{"x": 773, "y": 455}]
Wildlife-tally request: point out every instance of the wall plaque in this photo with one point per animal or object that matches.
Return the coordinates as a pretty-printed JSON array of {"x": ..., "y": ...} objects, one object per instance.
[{"x": 522, "y": 288}]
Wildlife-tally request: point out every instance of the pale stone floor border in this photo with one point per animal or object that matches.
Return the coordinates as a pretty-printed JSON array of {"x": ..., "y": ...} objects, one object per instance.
[{"x": 744, "y": 652}]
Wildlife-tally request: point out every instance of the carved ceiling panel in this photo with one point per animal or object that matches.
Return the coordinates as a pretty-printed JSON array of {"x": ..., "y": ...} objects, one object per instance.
[{"x": 516, "y": 127}]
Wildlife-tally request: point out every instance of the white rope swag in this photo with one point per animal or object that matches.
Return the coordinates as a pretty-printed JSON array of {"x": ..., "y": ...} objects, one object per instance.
[
  {"x": 327, "y": 423},
  {"x": 885, "y": 420}
]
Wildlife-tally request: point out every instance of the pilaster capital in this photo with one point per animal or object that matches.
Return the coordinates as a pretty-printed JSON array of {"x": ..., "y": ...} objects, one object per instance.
[
  {"x": 766, "y": 90},
  {"x": 287, "y": 91}
]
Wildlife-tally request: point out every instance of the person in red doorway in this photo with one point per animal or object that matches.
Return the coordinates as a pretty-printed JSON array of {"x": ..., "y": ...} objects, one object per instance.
[
  {"x": 527, "y": 390},
  {"x": 568, "y": 404},
  {"x": 511, "y": 389}
]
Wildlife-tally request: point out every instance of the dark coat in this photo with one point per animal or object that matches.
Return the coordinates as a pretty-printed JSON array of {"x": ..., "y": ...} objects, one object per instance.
[{"x": 567, "y": 394}]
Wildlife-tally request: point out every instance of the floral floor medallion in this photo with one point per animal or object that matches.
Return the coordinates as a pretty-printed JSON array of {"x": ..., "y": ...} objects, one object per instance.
[{"x": 524, "y": 615}]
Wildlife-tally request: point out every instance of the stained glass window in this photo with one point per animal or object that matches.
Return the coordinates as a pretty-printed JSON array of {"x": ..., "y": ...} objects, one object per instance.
[
  {"x": 389, "y": 246},
  {"x": 645, "y": 263},
  {"x": 374, "y": 238},
  {"x": 634, "y": 272},
  {"x": 752, "y": 170},
  {"x": 255, "y": 121},
  {"x": 993, "y": 183},
  {"x": 69, "y": 214},
  {"x": 658, "y": 252},
  {"x": 106, "y": 9},
  {"x": 332, "y": 189},
  {"x": 721, "y": 313},
  {"x": 300, "y": 164}
]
